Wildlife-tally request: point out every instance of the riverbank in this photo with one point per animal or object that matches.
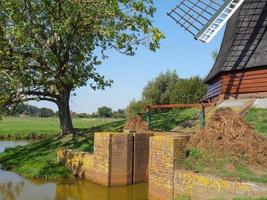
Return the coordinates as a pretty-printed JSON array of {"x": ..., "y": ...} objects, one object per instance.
[
  {"x": 14, "y": 186},
  {"x": 38, "y": 160}
]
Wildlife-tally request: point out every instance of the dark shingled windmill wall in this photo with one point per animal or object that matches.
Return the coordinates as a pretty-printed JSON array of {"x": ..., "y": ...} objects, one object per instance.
[{"x": 241, "y": 66}]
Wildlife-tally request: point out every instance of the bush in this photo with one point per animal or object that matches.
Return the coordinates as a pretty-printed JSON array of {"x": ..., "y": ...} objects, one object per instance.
[
  {"x": 104, "y": 111},
  {"x": 135, "y": 108}
]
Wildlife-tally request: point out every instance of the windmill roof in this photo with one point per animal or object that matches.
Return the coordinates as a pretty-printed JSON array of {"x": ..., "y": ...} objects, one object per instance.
[{"x": 244, "y": 44}]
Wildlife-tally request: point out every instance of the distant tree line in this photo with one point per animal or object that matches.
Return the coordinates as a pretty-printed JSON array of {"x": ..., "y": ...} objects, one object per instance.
[
  {"x": 30, "y": 110},
  {"x": 102, "y": 112},
  {"x": 33, "y": 111},
  {"x": 168, "y": 88}
]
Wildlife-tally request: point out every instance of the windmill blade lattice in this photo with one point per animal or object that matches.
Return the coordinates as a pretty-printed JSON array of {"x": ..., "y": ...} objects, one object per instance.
[{"x": 204, "y": 18}]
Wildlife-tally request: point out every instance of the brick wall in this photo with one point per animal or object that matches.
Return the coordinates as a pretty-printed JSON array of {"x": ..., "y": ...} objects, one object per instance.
[
  {"x": 80, "y": 163},
  {"x": 140, "y": 156},
  {"x": 102, "y": 145},
  {"x": 121, "y": 159},
  {"x": 166, "y": 154},
  {"x": 205, "y": 187}
]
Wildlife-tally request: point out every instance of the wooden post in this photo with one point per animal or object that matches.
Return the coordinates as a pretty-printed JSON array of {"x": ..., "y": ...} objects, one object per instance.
[
  {"x": 148, "y": 115},
  {"x": 202, "y": 116}
]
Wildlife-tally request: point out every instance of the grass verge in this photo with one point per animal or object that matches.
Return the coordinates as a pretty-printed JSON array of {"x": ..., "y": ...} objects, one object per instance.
[
  {"x": 225, "y": 166},
  {"x": 257, "y": 117},
  {"x": 169, "y": 120}
]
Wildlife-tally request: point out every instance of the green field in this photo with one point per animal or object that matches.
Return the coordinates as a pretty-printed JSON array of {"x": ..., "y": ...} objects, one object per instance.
[{"x": 36, "y": 127}]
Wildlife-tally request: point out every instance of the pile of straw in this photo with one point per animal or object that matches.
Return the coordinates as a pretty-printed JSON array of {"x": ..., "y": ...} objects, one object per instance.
[
  {"x": 136, "y": 124},
  {"x": 228, "y": 133}
]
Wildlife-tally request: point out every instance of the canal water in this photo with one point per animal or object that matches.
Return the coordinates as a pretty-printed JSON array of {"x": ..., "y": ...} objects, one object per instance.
[{"x": 15, "y": 187}]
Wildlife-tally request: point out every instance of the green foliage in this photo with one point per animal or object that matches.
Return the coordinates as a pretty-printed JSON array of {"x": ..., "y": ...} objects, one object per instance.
[
  {"x": 46, "y": 112},
  {"x": 120, "y": 113},
  {"x": 257, "y": 117},
  {"x": 195, "y": 160},
  {"x": 50, "y": 48},
  {"x": 29, "y": 110},
  {"x": 168, "y": 88},
  {"x": 135, "y": 108},
  {"x": 188, "y": 91},
  {"x": 159, "y": 90},
  {"x": 224, "y": 166},
  {"x": 104, "y": 111}
]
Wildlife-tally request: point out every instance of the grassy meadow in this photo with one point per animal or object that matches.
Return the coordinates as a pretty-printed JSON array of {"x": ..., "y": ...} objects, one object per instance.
[{"x": 37, "y": 127}]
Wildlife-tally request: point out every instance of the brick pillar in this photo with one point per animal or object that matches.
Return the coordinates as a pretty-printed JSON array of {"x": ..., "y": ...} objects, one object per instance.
[
  {"x": 121, "y": 159},
  {"x": 166, "y": 154},
  {"x": 101, "y": 163},
  {"x": 140, "y": 156},
  {"x": 113, "y": 159}
]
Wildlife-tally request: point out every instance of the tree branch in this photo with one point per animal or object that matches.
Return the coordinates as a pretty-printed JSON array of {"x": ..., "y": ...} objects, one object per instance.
[{"x": 38, "y": 93}]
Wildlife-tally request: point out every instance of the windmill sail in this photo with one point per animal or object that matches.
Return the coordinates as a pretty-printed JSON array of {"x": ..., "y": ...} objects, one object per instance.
[{"x": 204, "y": 18}]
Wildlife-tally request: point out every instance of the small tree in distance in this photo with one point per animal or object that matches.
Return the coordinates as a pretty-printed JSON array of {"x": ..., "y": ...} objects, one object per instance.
[
  {"x": 104, "y": 111},
  {"x": 50, "y": 48}
]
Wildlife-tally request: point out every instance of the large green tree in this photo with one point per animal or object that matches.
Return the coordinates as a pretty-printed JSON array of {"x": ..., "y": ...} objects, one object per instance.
[
  {"x": 50, "y": 47},
  {"x": 168, "y": 88},
  {"x": 159, "y": 90}
]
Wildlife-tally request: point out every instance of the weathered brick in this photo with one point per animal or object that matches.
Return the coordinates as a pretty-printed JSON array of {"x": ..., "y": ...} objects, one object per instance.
[{"x": 166, "y": 153}]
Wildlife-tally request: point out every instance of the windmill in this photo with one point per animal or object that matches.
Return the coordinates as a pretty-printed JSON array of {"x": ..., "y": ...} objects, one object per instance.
[{"x": 240, "y": 69}]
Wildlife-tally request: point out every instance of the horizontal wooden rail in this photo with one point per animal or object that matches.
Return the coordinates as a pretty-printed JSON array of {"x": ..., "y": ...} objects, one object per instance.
[{"x": 179, "y": 105}]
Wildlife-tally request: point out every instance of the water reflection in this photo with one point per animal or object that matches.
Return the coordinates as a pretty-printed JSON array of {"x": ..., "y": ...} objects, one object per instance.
[
  {"x": 15, "y": 187},
  {"x": 85, "y": 190}
]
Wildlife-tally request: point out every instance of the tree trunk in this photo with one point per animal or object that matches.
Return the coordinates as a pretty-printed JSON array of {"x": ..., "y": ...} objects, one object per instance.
[{"x": 64, "y": 113}]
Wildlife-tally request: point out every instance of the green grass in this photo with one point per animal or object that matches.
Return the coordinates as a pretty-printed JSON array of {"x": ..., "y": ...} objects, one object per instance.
[
  {"x": 169, "y": 120},
  {"x": 37, "y": 128},
  {"x": 207, "y": 162},
  {"x": 258, "y": 119},
  {"x": 38, "y": 160}
]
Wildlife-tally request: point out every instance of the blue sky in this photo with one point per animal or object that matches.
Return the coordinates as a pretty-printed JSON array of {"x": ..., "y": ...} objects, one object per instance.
[{"x": 179, "y": 51}]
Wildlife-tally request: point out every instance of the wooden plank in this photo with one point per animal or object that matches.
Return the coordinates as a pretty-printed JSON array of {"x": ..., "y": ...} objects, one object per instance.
[
  {"x": 246, "y": 90},
  {"x": 245, "y": 77},
  {"x": 245, "y": 85},
  {"x": 215, "y": 88},
  {"x": 253, "y": 72},
  {"x": 246, "y": 81}
]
